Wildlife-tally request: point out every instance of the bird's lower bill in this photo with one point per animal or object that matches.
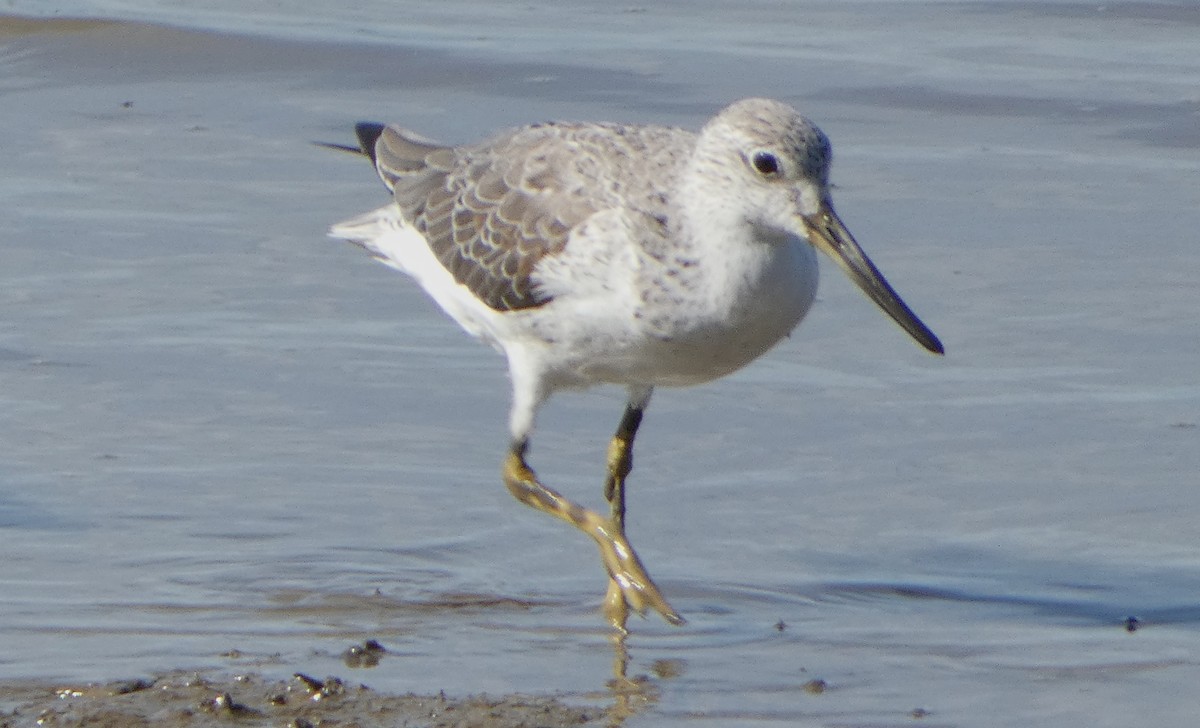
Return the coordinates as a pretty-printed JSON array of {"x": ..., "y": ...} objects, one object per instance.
[{"x": 826, "y": 233}]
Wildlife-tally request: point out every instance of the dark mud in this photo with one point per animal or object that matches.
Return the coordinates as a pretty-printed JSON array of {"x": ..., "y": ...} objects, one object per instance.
[{"x": 197, "y": 700}]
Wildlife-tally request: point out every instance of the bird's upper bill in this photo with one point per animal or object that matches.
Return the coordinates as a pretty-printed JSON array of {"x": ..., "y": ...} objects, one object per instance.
[{"x": 826, "y": 232}]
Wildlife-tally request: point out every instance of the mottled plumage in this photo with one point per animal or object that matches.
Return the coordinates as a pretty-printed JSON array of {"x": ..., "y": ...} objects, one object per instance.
[{"x": 491, "y": 212}]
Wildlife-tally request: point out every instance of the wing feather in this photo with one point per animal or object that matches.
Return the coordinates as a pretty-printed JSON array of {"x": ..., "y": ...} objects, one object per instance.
[
  {"x": 488, "y": 215},
  {"x": 491, "y": 212}
]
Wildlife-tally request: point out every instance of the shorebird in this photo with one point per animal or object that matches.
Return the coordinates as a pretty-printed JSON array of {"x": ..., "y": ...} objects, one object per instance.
[{"x": 635, "y": 255}]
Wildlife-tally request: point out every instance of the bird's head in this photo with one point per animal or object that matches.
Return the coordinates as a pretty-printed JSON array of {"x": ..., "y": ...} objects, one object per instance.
[{"x": 779, "y": 162}]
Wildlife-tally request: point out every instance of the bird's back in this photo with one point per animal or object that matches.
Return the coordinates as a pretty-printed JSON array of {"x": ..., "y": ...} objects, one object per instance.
[{"x": 491, "y": 212}]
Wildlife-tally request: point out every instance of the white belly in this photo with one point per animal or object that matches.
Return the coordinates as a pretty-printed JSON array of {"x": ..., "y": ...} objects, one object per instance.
[
  {"x": 697, "y": 336},
  {"x": 616, "y": 328}
]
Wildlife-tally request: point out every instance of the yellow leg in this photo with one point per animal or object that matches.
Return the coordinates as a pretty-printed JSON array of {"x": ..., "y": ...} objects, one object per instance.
[
  {"x": 631, "y": 586},
  {"x": 620, "y": 463}
]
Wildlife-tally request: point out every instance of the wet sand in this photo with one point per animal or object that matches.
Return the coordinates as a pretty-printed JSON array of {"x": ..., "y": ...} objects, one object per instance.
[
  {"x": 250, "y": 698},
  {"x": 199, "y": 700}
]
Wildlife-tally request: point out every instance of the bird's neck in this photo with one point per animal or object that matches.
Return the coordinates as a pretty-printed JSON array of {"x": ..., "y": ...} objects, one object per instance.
[
  {"x": 712, "y": 218},
  {"x": 741, "y": 263}
]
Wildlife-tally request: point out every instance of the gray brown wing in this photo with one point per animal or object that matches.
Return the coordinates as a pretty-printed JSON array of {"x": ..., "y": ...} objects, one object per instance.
[{"x": 489, "y": 213}]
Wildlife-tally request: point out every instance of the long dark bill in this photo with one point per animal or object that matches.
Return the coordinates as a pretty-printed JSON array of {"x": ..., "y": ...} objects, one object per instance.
[{"x": 827, "y": 233}]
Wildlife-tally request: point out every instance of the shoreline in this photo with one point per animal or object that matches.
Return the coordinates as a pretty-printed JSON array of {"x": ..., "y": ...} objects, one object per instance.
[{"x": 201, "y": 699}]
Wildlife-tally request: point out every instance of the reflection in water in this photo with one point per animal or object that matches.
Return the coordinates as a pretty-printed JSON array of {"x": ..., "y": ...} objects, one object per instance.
[
  {"x": 635, "y": 694},
  {"x": 366, "y": 655}
]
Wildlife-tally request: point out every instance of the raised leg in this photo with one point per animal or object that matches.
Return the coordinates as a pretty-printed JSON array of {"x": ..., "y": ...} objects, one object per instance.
[{"x": 631, "y": 587}]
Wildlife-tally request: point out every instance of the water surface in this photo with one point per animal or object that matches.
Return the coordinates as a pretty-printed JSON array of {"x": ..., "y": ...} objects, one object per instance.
[{"x": 226, "y": 441}]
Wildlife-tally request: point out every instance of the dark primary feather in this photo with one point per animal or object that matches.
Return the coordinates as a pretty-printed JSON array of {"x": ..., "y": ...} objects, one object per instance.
[{"x": 368, "y": 133}]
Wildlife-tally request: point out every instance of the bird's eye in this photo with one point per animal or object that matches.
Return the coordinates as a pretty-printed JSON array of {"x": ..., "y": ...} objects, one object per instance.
[{"x": 765, "y": 164}]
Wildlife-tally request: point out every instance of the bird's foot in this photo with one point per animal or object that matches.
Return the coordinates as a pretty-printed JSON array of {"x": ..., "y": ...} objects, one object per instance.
[{"x": 630, "y": 586}]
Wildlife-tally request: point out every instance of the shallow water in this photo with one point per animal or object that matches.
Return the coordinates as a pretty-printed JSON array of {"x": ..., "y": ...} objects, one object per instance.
[{"x": 226, "y": 441}]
